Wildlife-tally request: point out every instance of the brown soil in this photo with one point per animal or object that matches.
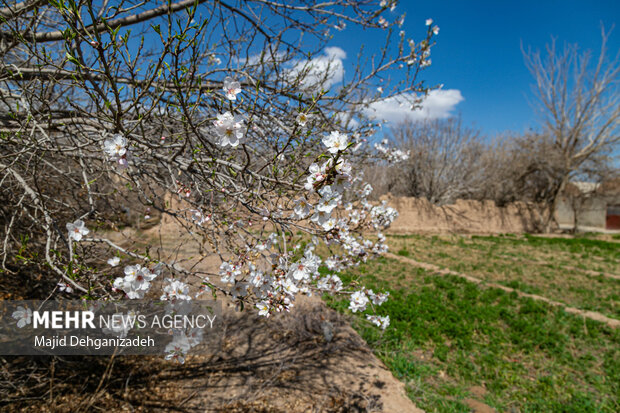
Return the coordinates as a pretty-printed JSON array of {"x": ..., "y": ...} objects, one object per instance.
[{"x": 287, "y": 364}]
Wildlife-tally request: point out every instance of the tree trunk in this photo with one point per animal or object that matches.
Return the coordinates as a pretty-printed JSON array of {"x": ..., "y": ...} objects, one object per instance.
[{"x": 554, "y": 204}]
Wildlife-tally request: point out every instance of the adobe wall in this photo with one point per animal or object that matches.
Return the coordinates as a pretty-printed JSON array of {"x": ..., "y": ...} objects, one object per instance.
[{"x": 464, "y": 216}]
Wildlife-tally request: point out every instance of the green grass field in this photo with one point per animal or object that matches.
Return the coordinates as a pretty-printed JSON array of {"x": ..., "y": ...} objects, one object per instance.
[
  {"x": 452, "y": 342},
  {"x": 569, "y": 270}
]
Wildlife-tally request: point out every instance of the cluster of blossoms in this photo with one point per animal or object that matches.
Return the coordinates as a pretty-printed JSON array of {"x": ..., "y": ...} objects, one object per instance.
[
  {"x": 116, "y": 149},
  {"x": 198, "y": 217},
  {"x": 181, "y": 343},
  {"x": 379, "y": 321},
  {"x": 175, "y": 290},
  {"x": 136, "y": 282},
  {"x": 361, "y": 299},
  {"x": 391, "y": 154},
  {"x": 183, "y": 189},
  {"x": 269, "y": 274},
  {"x": 329, "y": 204}
]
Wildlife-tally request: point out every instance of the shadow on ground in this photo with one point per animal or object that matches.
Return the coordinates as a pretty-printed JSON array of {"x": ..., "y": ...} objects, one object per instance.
[{"x": 310, "y": 360}]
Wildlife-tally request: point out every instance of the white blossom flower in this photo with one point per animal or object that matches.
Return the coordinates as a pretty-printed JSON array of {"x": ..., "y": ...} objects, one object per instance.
[
  {"x": 303, "y": 118},
  {"x": 195, "y": 336},
  {"x": 114, "y": 261},
  {"x": 263, "y": 308},
  {"x": 329, "y": 224},
  {"x": 214, "y": 60},
  {"x": 229, "y": 128},
  {"x": 435, "y": 30},
  {"x": 320, "y": 217},
  {"x": 229, "y": 272},
  {"x": 359, "y": 301},
  {"x": 232, "y": 88},
  {"x": 23, "y": 315},
  {"x": 198, "y": 217},
  {"x": 301, "y": 209},
  {"x": 382, "y": 322},
  {"x": 177, "y": 349},
  {"x": 240, "y": 289},
  {"x": 331, "y": 282},
  {"x": 77, "y": 230},
  {"x": 329, "y": 199},
  {"x": 333, "y": 264},
  {"x": 137, "y": 281},
  {"x": 380, "y": 298},
  {"x": 317, "y": 175},
  {"x": 64, "y": 287},
  {"x": 429, "y": 22},
  {"x": 289, "y": 286},
  {"x": 116, "y": 147},
  {"x": 343, "y": 167},
  {"x": 336, "y": 141},
  {"x": 175, "y": 290},
  {"x": 257, "y": 278},
  {"x": 305, "y": 267}
]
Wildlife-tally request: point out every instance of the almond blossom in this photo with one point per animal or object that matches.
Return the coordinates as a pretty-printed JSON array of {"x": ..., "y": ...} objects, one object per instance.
[
  {"x": 232, "y": 88},
  {"x": 136, "y": 282},
  {"x": 329, "y": 199},
  {"x": 382, "y": 322},
  {"x": 77, "y": 230},
  {"x": 175, "y": 290},
  {"x": 177, "y": 349},
  {"x": 64, "y": 287},
  {"x": 331, "y": 283},
  {"x": 263, "y": 309},
  {"x": 23, "y": 315},
  {"x": 116, "y": 149},
  {"x": 229, "y": 128},
  {"x": 303, "y": 118},
  {"x": 358, "y": 302},
  {"x": 316, "y": 176},
  {"x": 302, "y": 208},
  {"x": 114, "y": 261},
  {"x": 335, "y": 142}
]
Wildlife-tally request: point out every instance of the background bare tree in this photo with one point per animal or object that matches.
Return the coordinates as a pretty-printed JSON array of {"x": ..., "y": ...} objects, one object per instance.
[
  {"x": 443, "y": 160},
  {"x": 578, "y": 100}
]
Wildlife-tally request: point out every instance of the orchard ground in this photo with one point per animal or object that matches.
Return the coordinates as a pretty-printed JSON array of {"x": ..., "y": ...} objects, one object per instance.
[{"x": 453, "y": 345}]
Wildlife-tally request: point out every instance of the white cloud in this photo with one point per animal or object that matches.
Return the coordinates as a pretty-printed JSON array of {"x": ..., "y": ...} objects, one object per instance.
[
  {"x": 438, "y": 104},
  {"x": 329, "y": 67}
]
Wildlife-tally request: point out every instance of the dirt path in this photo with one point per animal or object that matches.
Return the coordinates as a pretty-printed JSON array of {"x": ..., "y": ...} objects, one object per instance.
[
  {"x": 592, "y": 315},
  {"x": 289, "y": 364}
]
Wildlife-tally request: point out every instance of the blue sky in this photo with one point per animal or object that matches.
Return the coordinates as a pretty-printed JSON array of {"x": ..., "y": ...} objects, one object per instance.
[{"x": 478, "y": 49}]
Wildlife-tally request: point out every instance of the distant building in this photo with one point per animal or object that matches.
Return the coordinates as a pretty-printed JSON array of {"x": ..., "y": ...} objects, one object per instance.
[{"x": 590, "y": 205}]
